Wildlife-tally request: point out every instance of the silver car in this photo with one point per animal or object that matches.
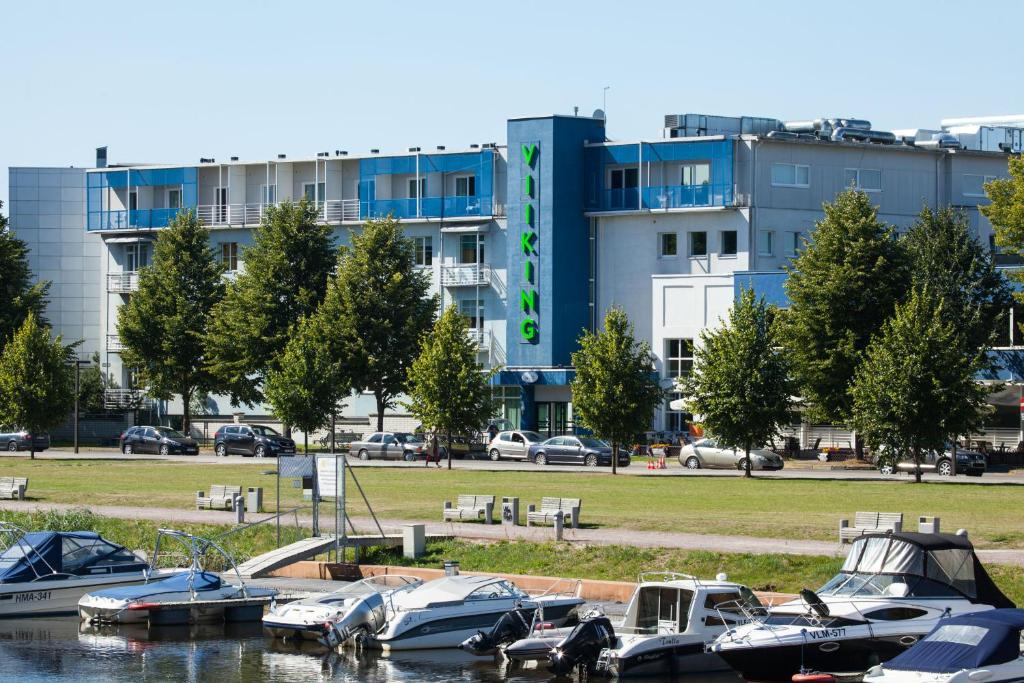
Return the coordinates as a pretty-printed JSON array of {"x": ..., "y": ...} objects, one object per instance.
[
  {"x": 514, "y": 444},
  {"x": 389, "y": 446},
  {"x": 712, "y": 454}
]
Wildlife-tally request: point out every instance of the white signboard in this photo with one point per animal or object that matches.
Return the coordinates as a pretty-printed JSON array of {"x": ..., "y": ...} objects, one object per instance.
[{"x": 328, "y": 468}]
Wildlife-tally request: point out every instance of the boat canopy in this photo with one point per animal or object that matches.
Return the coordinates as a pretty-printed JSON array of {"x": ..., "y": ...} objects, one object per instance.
[
  {"x": 967, "y": 641},
  {"x": 42, "y": 554},
  {"x": 456, "y": 589},
  {"x": 182, "y": 582},
  {"x": 945, "y": 558}
]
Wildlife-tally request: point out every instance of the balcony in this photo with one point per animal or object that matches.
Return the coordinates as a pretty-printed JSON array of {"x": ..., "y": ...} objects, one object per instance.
[
  {"x": 114, "y": 343},
  {"x": 123, "y": 283},
  {"x": 666, "y": 197},
  {"x": 126, "y": 399},
  {"x": 429, "y": 207},
  {"x": 482, "y": 338},
  {"x": 138, "y": 219},
  {"x": 470, "y": 275},
  {"x": 239, "y": 215}
]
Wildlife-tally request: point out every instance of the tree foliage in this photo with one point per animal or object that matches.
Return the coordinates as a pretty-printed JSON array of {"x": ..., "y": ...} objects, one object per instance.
[
  {"x": 741, "y": 384},
  {"x": 448, "y": 390},
  {"x": 36, "y": 388},
  {"x": 92, "y": 384},
  {"x": 163, "y": 326},
  {"x": 614, "y": 392},
  {"x": 18, "y": 294},
  {"x": 283, "y": 281},
  {"x": 842, "y": 287},
  {"x": 379, "y": 310},
  {"x": 1006, "y": 210},
  {"x": 915, "y": 380}
]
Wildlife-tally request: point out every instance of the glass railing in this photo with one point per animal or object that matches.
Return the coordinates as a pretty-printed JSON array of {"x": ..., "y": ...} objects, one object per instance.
[
  {"x": 138, "y": 219},
  {"x": 665, "y": 197},
  {"x": 429, "y": 207}
]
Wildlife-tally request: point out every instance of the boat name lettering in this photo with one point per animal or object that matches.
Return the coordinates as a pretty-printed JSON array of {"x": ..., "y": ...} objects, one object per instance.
[
  {"x": 34, "y": 596},
  {"x": 827, "y": 633}
]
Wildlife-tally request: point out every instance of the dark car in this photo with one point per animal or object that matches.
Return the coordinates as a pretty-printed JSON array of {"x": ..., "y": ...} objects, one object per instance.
[
  {"x": 162, "y": 440},
  {"x": 970, "y": 463},
  {"x": 575, "y": 450},
  {"x": 16, "y": 439},
  {"x": 256, "y": 440}
]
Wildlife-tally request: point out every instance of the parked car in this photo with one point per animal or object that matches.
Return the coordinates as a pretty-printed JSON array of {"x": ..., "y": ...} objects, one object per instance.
[
  {"x": 260, "y": 441},
  {"x": 17, "y": 439},
  {"x": 392, "y": 446},
  {"x": 513, "y": 444},
  {"x": 971, "y": 463},
  {"x": 162, "y": 440},
  {"x": 710, "y": 453},
  {"x": 575, "y": 450}
]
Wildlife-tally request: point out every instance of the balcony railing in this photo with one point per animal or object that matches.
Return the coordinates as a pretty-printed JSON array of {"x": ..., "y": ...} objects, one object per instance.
[
  {"x": 470, "y": 275},
  {"x": 429, "y": 207},
  {"x": 126, "y": 399},
  {"x": 228, "y": 215},
  {"x": 137, "y": 219},
  {"x": 666, "y": 197},
  {"x": 481, "y": 337},
  {"x": 123, "y": 283},
  {"x": 114, "y": 343}
]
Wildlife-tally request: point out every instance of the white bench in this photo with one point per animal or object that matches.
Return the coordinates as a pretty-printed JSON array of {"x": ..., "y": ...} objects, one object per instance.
[
  {"x": 870, "y": 523},
  {"x": 13, "y": 487},
  {"x": 221, "y": 497},
  {"x": 569, "y": 507},
  {"x": 470, "y": 507}
]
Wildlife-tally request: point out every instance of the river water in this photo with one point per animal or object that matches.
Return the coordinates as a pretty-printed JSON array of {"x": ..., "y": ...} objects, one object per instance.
[{"x": 60, "y": 649}]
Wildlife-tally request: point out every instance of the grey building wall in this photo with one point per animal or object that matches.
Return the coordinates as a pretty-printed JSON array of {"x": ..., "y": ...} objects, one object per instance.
[{"x": 47, "y": 211}]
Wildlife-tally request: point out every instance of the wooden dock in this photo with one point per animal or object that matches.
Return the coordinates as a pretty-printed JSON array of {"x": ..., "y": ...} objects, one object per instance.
[{"x": 262, "y": 565}]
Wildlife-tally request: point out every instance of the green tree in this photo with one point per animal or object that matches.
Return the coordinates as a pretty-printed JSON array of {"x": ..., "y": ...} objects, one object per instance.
[
  {"x": 284, "y": 280},
  {"x": 92, "y": 384},
  {"x": 305, "y": 387},
  {"x": 915, "y": 375},
  {"x": 379, "y": 310},
  {"x": 842, "y": 287},
  {"x": 17, "y": 291},
  {"x": 1006, "y": 210},
  {"x": 164, "y": 324},
  {"x": 741, "y": 382},
  {"x": 448, "y": 390},
  {"x": 614, "y": 392},
  {"x": 36, "y": 388}
]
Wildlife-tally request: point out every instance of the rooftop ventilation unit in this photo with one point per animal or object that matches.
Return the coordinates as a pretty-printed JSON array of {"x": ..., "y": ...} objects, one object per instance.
[
  {"x": 101, "y": 157},
  {"x": 204, "y": 160},
  {"x": 700, "y": 125},
  {"x": 414, "y": 149},
  {"x": 474, "y": 146},
  {"x": 374, "y": 151},
  {"x": 234, "y": 158},
  {"x": 440, "y": 148},
  {"x": 341, "y": 152},
  {"x": 281, "y": 156}
]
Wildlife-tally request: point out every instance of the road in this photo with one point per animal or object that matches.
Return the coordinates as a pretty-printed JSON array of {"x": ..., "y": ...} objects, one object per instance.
[{"x": 799, "y": 470}]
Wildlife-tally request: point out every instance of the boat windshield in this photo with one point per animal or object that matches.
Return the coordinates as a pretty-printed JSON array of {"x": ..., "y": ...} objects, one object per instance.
[
  {"x": 862, "y": 585},
  {"x": 500, "y": 589},
  {"x": 11, "y": 556}
]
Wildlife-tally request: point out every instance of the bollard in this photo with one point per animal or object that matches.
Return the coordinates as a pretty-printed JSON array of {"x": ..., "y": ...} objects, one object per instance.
[
  {"x": 530, "y": 508},
  {"x": 414, "y": 540},
  {"x": 489, "y": 513},
  {"x": 238, "y": 505},
  {"x": 559, "y": 525},
  {"x": 451, "y": 567},
  {"x": 928, "y": 525}
]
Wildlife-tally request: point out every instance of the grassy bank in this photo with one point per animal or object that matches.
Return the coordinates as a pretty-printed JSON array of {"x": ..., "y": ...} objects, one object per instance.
[{"x": 715, "y": 505}]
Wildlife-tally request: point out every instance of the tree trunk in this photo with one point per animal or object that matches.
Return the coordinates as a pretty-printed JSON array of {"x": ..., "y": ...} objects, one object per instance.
[
  {"x": 917, "y": 464},
  {"x": 380, "y": 410},
  {"x": 953, "y": 464},
  {"x": 858, "y": 446},
  {"x": 448, "y": 435},
  {"x": 186, "y": 418},
  {"x": 32, "y": 447},
  {"x": 746, "y": 463},
  {"x": 615, "y": 457}
]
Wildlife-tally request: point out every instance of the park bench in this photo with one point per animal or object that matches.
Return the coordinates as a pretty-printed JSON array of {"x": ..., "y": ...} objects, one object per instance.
[
  {"x": 569, "y": 507},
  {"x": 221, "y": 497},
  {"x": 13, "y": 487},
  {"x": 470, "y": 507},
  {"x": 870, "y": 523}
]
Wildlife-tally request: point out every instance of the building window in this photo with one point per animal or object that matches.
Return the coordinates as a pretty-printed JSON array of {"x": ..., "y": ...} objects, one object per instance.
[
  {"x": 766, "y": 243},
  {"x": 471, "y": 248},
  {"x": 974, "y": 185},
  {"x": 695, "y": 174},
  {"x": 465, "y": 186},
  {"x": 473, "y": 311},
  {"x": 136, "y": 256},
  {"x": 133, "y": 200},
  {"x": 314, "y": 192},
  {"x": 865, "y": 179},
  {"x": 791, "y": 175},
  {"x": 796, "y": 243},
  {"x": 424, "y": 248},
  {"x": 508, "y": 405},
  {"x": 423, "y": 187},
  {"x": 728, "y": 243},
  {"x": 174, "y": 198},
  {"x": 675, "y": 420},
  {"x": 667, "y": 245},
  {"x": 229, "y": 256},
  {"x": 678, "y": 357},
  {"x": 268, "y": 194},
  {"x": 698, "y": 243},
  {"x": 624, "y": 178}
]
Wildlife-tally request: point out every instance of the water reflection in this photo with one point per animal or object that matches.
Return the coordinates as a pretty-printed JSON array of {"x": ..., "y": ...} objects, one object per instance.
[{"x": 63, "y": 650}]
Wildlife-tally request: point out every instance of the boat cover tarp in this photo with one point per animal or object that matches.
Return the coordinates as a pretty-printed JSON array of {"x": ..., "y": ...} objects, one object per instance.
[
  {"x": 946, "y": 558},
  {"x": 40, "y": 553},
  {"x": 445, "y": 591},
  {"x": 177, "y": 583},
  {"x": 967, "y": 641}
]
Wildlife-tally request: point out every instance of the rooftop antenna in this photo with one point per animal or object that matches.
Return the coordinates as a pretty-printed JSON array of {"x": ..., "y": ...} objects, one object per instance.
[{"x": 604, "y": 97}]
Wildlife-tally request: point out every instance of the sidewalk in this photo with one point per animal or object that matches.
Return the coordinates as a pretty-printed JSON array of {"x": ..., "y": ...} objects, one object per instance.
[{"x": 500, "y": 532}]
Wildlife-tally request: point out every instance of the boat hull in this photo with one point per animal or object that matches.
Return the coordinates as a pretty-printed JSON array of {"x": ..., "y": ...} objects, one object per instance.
[
  {"x": 653, "y": 658},
  {"x": 53, "y": 598},
  {"x": 779, "y": 663}
]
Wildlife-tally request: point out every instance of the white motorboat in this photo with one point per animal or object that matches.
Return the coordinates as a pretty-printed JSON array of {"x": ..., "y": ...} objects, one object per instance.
[
  {"x": 47, "y": 572},
  {"x": 982, "y": 646},
  {"x": 192, "y": 596},
  {"x": 891, "y": 591},
  {"x": 444, "y": 612},
  {"x": 358, "y": 605}
]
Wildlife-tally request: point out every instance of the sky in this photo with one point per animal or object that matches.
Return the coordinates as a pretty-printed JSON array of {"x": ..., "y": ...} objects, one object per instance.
[{"x": 179, "y": 80}]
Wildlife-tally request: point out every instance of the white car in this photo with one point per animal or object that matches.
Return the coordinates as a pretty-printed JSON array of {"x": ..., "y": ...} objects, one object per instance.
[
  {"x": 712, "y": 454},
  {"x": 512, "y": 444}
]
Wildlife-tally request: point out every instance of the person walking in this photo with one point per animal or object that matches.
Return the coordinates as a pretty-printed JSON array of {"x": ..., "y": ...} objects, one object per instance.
[{"x": 492, "y": 431}]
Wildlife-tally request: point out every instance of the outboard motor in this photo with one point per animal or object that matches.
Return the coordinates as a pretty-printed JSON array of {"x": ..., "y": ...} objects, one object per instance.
[
  {"x": 365, "y": 617},
  {"x": 582, "y": 646},
  {"x": 512, "y": 626}
]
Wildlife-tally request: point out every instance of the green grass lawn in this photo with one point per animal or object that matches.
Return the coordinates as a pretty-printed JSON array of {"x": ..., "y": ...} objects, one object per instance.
[{"x": 758, "y": 507}]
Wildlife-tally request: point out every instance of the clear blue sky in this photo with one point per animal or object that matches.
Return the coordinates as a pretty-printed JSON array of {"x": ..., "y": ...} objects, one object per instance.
[{"x": 173, "y": 81}]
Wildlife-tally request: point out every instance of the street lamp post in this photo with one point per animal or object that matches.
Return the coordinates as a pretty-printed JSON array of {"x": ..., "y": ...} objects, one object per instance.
[{"x": 78, "y": 387}]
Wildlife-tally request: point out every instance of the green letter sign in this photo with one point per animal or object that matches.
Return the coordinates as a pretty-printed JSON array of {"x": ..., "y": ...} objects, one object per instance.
[{"x": 528, "y": 239}]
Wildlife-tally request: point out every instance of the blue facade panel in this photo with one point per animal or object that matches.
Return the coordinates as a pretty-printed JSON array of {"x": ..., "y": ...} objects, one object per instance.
[
  {"x": 771, "y": 285},
  {"x": 378, "y": 170},
  {"x": 100, "y": 185}
]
